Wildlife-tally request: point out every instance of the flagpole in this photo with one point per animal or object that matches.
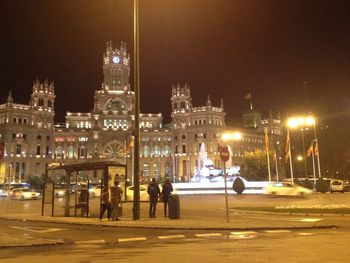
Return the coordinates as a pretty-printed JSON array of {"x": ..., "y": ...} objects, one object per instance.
[
  {"x": 313, "y": 162},
  {"x": 277, "y": 179},
  {"x": 267, "y": 154},
  {"x": 290, "y": 159},
  {"x": 318, "y": 159},
  {"x": 268, "y": 165},
  {"x": 318, "y": 153}
]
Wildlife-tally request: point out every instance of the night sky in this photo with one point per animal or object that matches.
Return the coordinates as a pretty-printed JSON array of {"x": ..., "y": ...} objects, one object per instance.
[{"x": 225, "y": 48}]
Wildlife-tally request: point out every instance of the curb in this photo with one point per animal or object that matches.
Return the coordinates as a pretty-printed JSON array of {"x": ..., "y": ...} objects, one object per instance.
[
  {"x": 288, "y": 213},
  {"x": 47, "y": 242},
  {"x": 120, "y": 225}
]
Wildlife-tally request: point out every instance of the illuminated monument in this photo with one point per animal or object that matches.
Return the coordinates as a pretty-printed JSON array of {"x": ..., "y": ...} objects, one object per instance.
[{"x": 180, "y": 150}]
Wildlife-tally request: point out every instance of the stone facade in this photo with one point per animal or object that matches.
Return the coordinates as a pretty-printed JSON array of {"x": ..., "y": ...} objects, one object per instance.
[{"x": 31, "y": 140}]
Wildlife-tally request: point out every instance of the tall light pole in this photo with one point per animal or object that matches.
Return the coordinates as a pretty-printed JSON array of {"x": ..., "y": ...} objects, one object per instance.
[
  {"x": 136, "y": 202},
  {"x": 312, "y": 121},
  {"x": 302, "y": 122},
  {"x": 225, "y": 155}
]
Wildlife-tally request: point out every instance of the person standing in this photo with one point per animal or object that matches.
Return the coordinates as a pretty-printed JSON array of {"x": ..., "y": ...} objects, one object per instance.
[
  {"x": 154, "y": 193},
  {"x": 116, "y": 199},
  {"x": 105, "y": 204},
  {"x": 83, "y": 200},
  {"x": 167, "y": 188}
]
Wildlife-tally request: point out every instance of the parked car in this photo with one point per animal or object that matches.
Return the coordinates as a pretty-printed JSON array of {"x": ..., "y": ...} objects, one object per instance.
[
  {"x": 346, "y": 186},
  {"x": 143, "y": 193},
  {"x": 24, "y": 194},
  {"x": 3, "y": 193},
  {"x": 336, "y": 186},
  {"x": 95, "y": 190},
  {"x": 286, "y": 189}
]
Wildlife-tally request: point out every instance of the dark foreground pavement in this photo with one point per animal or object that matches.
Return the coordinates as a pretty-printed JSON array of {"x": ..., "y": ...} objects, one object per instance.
[{"x": 210, "y": 217}]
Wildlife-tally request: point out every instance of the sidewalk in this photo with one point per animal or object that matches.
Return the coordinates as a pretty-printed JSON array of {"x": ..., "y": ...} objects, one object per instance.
[{"x": 207, "y": 217}]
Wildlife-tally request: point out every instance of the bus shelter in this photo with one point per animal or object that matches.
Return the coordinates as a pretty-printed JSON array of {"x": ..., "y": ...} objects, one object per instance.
[{"x": 66, "y": 184}]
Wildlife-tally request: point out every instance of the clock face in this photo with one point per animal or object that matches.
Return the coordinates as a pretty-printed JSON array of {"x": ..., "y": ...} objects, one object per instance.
[{"x": 116, "y": 59}]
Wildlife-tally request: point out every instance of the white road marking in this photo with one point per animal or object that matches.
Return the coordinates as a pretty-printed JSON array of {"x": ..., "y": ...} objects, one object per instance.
[
  {"x": 209, "y": 235},
  {"x": 132, "y": 239},
  {"x": 244, "y": 233},
  {"x": 306, "y": 234},
  {"x": 98, "y": 241},
  {"x": 241, "y": 236},
  {"x": 171, "y": 236},
  {"x": 40, "y": 230},
  {"x": 309, "y": 220},
  {"x": 277, "y": 231}
]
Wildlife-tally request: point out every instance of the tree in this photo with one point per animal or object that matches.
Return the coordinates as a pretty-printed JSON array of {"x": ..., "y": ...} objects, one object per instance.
[
  {"x": 35, "y": 182},
  {"x": 255, "y": 166}
]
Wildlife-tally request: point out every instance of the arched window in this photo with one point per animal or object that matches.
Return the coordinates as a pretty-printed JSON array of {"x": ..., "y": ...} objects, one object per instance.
[
  {"x": 59, "y": 152},
  {"x": 166, "y": 150},
  {"x": 145, "y": 151},
  {"x": 156, "y": 150},
  {"x": 38, "y": 150},
  {"x": 70, "y": 152},
  {"x": 82, "y": 152}
]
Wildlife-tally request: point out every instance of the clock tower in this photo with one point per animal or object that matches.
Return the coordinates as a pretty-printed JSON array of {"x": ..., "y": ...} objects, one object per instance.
[{"x": 116, "y": 67}]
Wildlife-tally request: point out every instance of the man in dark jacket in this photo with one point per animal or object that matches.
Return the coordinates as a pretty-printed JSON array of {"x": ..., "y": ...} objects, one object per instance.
[
  {"x": 116, "y": 199},
  {"x": 154, "y": 193},
  {"x": 166, "y": 192}
]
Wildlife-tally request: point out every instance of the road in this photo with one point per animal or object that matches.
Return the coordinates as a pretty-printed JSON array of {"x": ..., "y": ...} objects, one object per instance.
[{"x": 106, "y": 244}]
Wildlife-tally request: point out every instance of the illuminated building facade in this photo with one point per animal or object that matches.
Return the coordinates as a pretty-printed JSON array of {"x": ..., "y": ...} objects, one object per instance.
[
  {"x": 26, "y": 134},
  {"x": 32, "y": 140}
]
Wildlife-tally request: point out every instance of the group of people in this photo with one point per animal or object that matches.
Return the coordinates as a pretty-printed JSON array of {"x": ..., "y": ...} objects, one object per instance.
[
  {"x": 110, "y": 202},
  {"x": 155, "y": 194}
]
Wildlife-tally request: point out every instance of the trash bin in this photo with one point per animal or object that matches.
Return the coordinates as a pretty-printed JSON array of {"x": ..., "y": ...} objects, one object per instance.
[{"x": 174, "y": 206}]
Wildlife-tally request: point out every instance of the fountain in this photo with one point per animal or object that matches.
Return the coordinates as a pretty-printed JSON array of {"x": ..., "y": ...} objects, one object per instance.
[{"x": 207, "y": 172}]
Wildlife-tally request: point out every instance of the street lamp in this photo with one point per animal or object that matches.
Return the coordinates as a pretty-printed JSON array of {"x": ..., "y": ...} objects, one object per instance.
[
  {"x": 303, "y": 121},
  {"x": 224, "y": 154},
  {"x": 136, "y": 202},
  {"x": 232, "y": 136}
]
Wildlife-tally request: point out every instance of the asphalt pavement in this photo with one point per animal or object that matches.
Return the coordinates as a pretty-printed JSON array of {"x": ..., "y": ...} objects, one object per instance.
[{"x": 192, "y": 217}]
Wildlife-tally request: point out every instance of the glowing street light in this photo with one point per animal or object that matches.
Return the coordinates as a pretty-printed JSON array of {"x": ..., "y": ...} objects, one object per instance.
[
  {"x": 227, "y": 137},
  {"x": 302, "y": 121},
  {"x": 235, "y": 136},
  {"x": 231, "y": 136},
  {"x": 300, "y": 158}
]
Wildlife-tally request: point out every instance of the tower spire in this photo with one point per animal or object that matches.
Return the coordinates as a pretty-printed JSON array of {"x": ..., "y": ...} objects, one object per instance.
[
  {"x": 9, "y": 98},
  {"x": 208, "y": 101}
]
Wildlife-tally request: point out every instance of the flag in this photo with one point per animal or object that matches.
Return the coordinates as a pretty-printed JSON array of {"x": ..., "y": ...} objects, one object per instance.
[
  {"x": 267, "y": 144},
  {"x": 1, "y": 150},
  {"x": 316, "y": 148},
  {"x": 248, "y": 96},
  {"x": 310, "y": 150},
  {"x": 287, "y": 147}
]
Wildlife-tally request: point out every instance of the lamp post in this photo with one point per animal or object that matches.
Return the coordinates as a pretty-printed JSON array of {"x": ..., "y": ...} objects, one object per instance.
[
  {"x": 136, "y": 202},
  {"x": 303, "y": 121},
  {"x": 312, "y": 121},
  {"x": 233, "y": 136}
]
